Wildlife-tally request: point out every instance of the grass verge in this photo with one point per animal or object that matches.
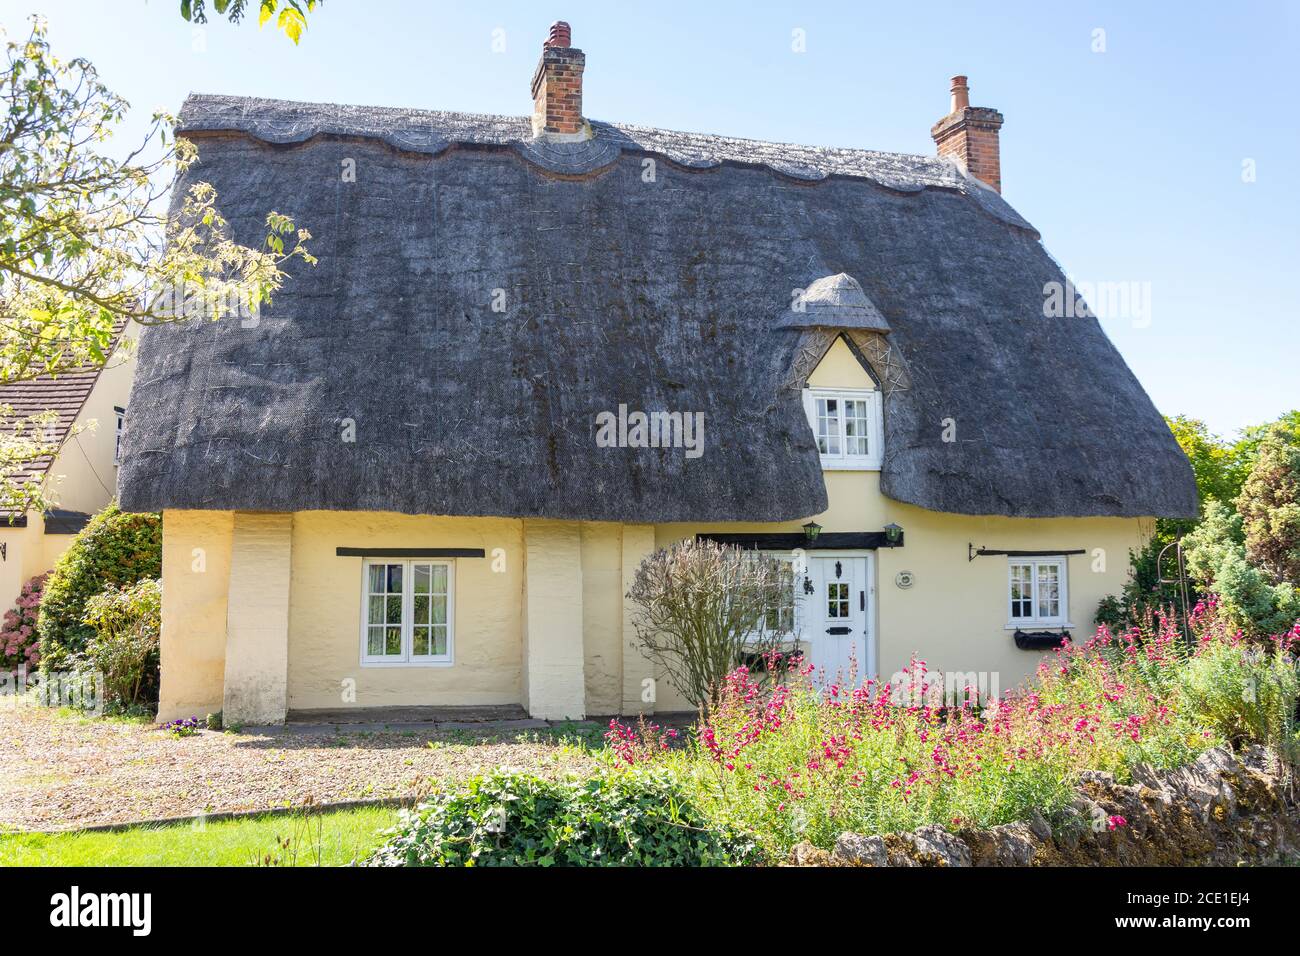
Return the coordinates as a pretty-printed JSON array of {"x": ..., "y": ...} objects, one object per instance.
[{"x": 316, "y": 839}]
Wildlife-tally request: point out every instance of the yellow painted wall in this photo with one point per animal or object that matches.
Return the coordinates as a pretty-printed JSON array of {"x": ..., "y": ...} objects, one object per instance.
[
  {"x": 325, "y": 613},
  {"x": 257, "y": 619},
  {"x": 602, "y": 617},
  {"x": 839, "y": 368},
  {"x": 83, "y": 476},
  {"x": 196, "y": 580}
]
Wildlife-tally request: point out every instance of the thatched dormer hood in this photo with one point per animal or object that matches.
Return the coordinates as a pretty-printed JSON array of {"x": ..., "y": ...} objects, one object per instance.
[{"x": 638, "y": 267}]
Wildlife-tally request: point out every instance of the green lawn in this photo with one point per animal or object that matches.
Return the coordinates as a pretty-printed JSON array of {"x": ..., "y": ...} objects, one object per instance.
[{"x": 332, "y": 839}]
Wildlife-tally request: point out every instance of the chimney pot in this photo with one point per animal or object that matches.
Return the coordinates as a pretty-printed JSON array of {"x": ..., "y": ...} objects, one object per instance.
[
  {"x": 960, "y": 94},
  {"x": 561, "y": 35}
]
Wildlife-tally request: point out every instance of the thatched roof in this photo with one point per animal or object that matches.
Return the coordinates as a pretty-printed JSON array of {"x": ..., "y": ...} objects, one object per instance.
[
  {"x": 834, "y": 302},
  {"x": 641, "y": 268}
]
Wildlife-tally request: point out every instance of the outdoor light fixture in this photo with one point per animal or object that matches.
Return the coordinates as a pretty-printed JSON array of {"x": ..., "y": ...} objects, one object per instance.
[
  {"x": 811, "y": 530},
  {"x": 893, "y": 534}
]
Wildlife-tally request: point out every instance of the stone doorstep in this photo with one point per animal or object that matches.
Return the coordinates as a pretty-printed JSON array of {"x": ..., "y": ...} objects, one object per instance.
[{"x": 426, "y": 719}]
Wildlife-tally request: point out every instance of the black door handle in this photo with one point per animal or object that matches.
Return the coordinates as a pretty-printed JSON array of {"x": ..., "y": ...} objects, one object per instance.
[
  {"x": 862, "y": 600},
  {"x": 839, "y": 630}
]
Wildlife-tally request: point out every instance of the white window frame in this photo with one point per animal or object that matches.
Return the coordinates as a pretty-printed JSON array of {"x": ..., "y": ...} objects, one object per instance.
[
  {"x": 407, "y": 658},
  {"x": 875, "y": 436},
  {"x": 120, "y": 414},
  {"x": 1061, "y": 619}
]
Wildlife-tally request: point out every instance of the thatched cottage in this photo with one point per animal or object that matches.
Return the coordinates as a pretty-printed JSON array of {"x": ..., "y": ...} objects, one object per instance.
[{"x": 535, "y": 349}]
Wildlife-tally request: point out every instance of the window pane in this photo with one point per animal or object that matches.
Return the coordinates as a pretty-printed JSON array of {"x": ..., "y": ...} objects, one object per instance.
[
  {"x": 394, "y": 605},
  {"x": 375, "y": 615},
  {"x": 855, "y": 427},
  {"x": 420, "y": 614},
  {"x": 838, "y": 600},
  {"x": 420, "y": 645},
  {"x": 377, "y": 579},
  {"x": 828, "y": 426},
  {"x": 374, "y": 641},
  {"x": 421, "y": 575},
  {"x": 1049, "y": 590},
  {"x": 439, "y": 579},
  {"x": 393, "y": 641},
  {"x": 1022, "y": 590},
  {"x": 440, "y": 609},
  {"x": 440, "y": 641},
  {"x": 394, "y": 579}
]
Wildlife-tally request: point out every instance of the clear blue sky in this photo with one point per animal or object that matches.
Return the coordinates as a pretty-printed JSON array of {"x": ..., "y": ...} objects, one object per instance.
[{"x": 1129, "y": 161}]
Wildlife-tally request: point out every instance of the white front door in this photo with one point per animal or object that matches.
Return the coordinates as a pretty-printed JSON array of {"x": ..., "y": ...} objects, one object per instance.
[{"x": 837, "y": 617}]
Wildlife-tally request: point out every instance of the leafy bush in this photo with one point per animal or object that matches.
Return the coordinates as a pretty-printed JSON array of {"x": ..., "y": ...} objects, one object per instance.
[
  {"x": 1247, "y": 693},
  {"x": 1260, "y": 472},
  {"x": 1269, "y": 505},
  {"x": 612, "y": 819},
  {"x": 19, "y": 641},
  {"x": 115, "y": 548},
  {"x": 1247, "y": 598},
  {"x": 127, "y": 622}
]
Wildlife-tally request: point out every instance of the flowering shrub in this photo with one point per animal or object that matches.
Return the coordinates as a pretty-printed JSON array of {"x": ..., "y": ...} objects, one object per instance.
[
  {"x": 637, "y": 818},
  {"x": 19, "y": 640},
  {"x": 183, "y": 726},
  {"x": 641, "y": 743},
  {"x": 800, "y": 762}
]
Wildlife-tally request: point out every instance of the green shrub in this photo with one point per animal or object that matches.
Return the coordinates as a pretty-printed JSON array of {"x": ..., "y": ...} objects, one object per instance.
[
  {"x": 127, "y": 623},
  {"x": 115, "y": 549},
  {"x": 612, "y": 819},
  {"x": 1246, "y": 693},
  {"x": 1269, "y": 505},
  {"x": 1247, "y": 598}
]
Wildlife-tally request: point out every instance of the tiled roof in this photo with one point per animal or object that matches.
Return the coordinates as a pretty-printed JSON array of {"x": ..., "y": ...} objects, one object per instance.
[{"x": 65, "y": 393}]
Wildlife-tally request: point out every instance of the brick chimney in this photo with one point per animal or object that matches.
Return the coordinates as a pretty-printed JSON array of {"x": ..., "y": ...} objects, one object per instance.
[
  {"x": 557, "y": 86},
  {"x": 969, "y": 134}
]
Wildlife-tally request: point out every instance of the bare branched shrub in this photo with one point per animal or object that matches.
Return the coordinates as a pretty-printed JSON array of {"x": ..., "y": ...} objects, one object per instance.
[{"x": 705, "y": 608}]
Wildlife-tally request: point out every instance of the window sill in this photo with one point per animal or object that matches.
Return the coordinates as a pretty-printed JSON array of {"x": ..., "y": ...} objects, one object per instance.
[
  {"x": 407, "y": 663},
  {"x": 1023, "y": 625},
  {"x": 833, "y": 464}
]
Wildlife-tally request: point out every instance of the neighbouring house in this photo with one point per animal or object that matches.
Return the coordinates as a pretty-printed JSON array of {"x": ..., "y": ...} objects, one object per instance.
[
  {"x": 79, "y": 479},
  {"x": 536, "y": 349}
]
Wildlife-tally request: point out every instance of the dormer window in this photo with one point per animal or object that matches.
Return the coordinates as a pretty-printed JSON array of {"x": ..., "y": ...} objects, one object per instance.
[{"x": 848, "y": 427}]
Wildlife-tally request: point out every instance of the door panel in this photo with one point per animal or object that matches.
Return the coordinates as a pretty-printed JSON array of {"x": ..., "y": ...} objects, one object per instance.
[{"x": 837, "y": 623}]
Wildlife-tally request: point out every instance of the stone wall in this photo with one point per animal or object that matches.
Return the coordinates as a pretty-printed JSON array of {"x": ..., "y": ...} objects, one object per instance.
[{"x": 1223, "y": 810}]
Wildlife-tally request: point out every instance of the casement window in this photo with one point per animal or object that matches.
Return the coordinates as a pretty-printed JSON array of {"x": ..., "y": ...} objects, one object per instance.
[
  {"x": 120, "y": 413},
  {"x": 1037, "y": 592},
  {"x": 407, "y": 612},
  {"x": 781, "y": 617},
  {"x": 848, "y": 426}
]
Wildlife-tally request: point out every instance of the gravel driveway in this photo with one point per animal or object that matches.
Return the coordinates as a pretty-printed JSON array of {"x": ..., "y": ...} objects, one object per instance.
[{"x": 62, "y": 771}]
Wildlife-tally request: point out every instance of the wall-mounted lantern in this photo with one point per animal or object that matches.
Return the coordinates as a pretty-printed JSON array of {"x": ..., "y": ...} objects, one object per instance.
[
  {"x": 893, "y": 534},
  {"x": 811, "y": 530}
]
